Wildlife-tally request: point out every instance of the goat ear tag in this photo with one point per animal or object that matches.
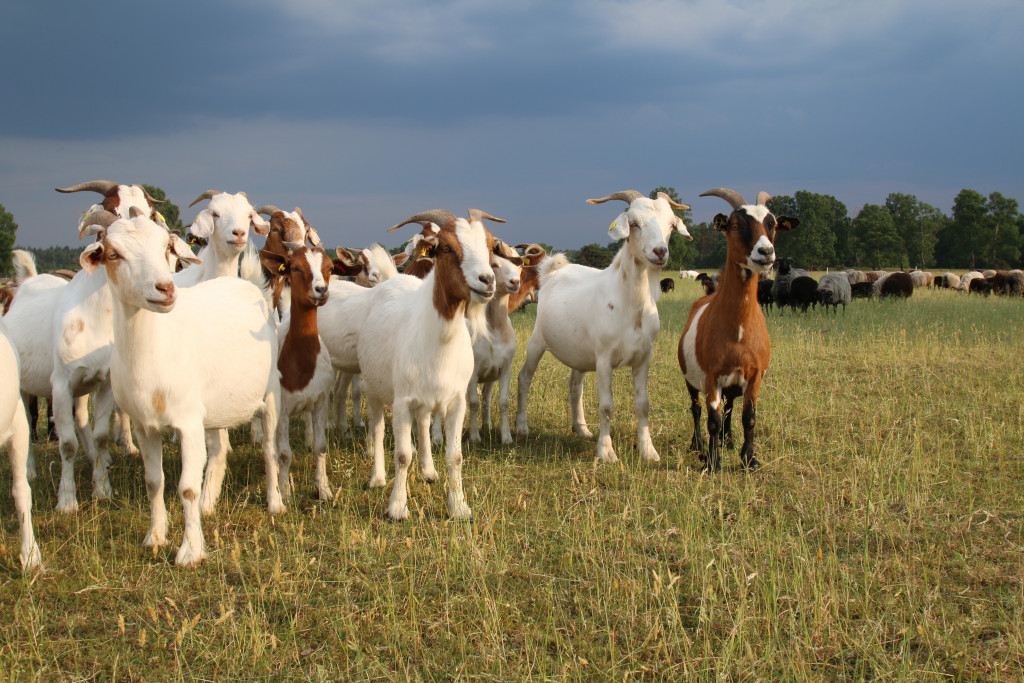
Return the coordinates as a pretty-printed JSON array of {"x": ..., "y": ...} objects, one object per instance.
[
  {"x": 425, "y": 252},
  {"x": 526, "y": 260},
  {"x": 281, "y": 268}
]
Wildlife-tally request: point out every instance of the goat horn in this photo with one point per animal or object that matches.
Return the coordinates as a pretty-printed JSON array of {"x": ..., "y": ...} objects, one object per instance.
[
  {"x": 734, "y": 198},
  {"x": 763, "y": 198},
  {"x": 625, "y": 195},
  {"x": 100, "y": 217},
  {"x": 478, "y": 215},
  {"x": 206, "y": 195},
  {"x": 101, "y": 186},
  {"x": 438, "y": 216},
  {"x": 135, "y": 212},
  {"x": 149, "y": 199},
  {"x": 673, "y": 203},
  {"x": 268, "y": 210}
]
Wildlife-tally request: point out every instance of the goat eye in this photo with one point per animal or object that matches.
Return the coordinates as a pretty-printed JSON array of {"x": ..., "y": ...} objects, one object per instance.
[
  {"x": 112, "y": 255},
  {"x": 215, "y": 214}
]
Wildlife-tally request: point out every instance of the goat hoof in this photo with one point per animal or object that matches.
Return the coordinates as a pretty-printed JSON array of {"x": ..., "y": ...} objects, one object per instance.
[
  {"x": 377, "y": 481},
  {"x": 582, "y": 430},
  {"x": 67, "y": 507},
  {"x": 398, "y": 513},
  {"x": 429, "y": 476},
  {"x": 462, "y": 512},
  {"x": 188, "y": 556},
  {"x": 753, "y": 464},
  {"x": 154, "y": 540}
]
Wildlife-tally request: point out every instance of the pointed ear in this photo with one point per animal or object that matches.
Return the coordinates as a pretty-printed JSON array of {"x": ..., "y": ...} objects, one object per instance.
[
  {"x": 787, "y": 223},
  {"x": 720, "y": 222},
  {"x": 91, "y": 258},
  {"x": 273, "y": 262},
  {"x": 400, "y": 258},
  {"x": 182, "y": 250},
  {"x": 620, "y": 228},
  {"x": 259, "y": 225},
  {"x": 348, "y": 269},
  {"x": 313, "y": 238},
  {"x": 202, "y": 226},
  {"x": 680, "y": 227}
]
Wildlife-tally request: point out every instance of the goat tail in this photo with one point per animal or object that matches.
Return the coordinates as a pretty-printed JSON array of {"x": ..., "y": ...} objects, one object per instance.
[
  {"x": 24, "y": 265},
  {"x": 550, "y": 265}
]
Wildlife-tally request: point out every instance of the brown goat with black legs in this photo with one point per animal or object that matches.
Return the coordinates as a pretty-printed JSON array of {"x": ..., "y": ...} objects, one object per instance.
[{"x": 724, "y": 348}]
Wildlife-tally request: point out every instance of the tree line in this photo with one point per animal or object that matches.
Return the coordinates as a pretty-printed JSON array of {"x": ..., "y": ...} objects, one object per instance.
[{"x": 904, "y": 232}]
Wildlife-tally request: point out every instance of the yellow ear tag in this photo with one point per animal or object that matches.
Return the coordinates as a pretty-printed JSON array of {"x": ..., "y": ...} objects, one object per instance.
[
  {"x": 281, "y": 268},
  {"x": 161, "y": 217},
  {"x": 85, "y": 216},
  {"x": 526, "y": 261},
  {"x": 424, "y": 251}
]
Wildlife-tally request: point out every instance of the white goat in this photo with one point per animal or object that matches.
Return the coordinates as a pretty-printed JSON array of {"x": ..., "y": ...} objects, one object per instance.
[
  {"x": 14, "y": 432},
  {"x": 223, "y": 227},
  {"x": 64, "y": 334},
  {"x": 160, "y": 380},
  {"x": 416, "y": 354},
  {"x": 604, "y": 319}
]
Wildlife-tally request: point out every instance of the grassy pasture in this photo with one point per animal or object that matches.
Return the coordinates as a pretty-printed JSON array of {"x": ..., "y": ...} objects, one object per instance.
[{"x": 881, "y": 540}]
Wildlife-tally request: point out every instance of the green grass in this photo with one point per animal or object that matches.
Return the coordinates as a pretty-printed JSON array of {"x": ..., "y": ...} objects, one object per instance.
[{"x": 881, "y": 540}]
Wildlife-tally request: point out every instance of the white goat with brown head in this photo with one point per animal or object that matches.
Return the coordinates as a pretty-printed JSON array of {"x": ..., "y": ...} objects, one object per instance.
[{"x": 599, "y": 320}]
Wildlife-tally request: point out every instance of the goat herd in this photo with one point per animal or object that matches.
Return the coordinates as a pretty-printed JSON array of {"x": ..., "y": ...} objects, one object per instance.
[{"x": 165, "y": 340}]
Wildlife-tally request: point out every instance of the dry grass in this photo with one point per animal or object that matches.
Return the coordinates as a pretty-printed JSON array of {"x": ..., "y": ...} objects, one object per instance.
[{"x": 882, "y": 539}]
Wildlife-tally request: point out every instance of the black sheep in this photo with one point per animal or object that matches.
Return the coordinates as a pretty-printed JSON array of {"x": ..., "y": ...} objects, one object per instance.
[
  {"x": 862, "y": 290},
  {"x": 897, "y": 285},
  {"x": 668, "y": 285},
  {"x": 980, "y": 286},
  {"x": 803, "y": 292},
  {"x": 764, "y": 294}
]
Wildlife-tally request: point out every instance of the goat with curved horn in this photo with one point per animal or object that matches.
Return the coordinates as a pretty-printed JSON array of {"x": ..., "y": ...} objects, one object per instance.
[
  {"x": 437, "y": 216},
  {"x": 101, "y": 186},
  {"x": 627, "y": 196},
  {"x": 673, "y": 203},
  {"x": 267, "y": 210},
  {"x": 478, "y": 215},
  {"x": 102, "y": 218},
  {"x": 209, "y": 194},
  {"x": 734, "y": 198}
]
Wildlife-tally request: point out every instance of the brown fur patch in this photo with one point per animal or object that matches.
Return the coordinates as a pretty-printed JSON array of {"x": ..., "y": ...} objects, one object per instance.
[
  {"x": 188, "y": 494},
  {"x": 159, "y": 402}
]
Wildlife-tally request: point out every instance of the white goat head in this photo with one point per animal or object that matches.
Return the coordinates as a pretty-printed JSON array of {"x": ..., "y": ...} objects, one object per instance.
[
  {"x": 378, "y": 265},
  {"x": 646, "y": 225},
  {"x": 225, "y": 223},
  {"x": 117, "y": 199},
  {"x": 750, "y": 231},
  {"x": 507, "y": 265},
  {"x": 136, "y": 253}
]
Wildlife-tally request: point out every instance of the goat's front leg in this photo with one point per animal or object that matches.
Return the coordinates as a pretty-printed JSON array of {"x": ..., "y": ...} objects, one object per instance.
[
  {"x": 747, "y": 458},
  {"x": 216, "y": 466},
  {"x": 486, "y": 394},
  {"x": 284, "y": 456},
  {"x": 151, "y": 449},
  {"x": 357, "y": 401},
  {"x": 606, "y": 407},
  {"x": 272, "y": 414},
  {"x": 30, "y": 460},
  {"x": 643, "y": 406},
  {"x": 65, "y": 419},
  {"x": 457, "y": 506},
  {"x": 103, "y": 406},
  {"x": 503, "y": 383},
  {"x": 375, "y": 441},
  {"x": 424, "y": 444},
  {"x": 123, "y": 432},
  {"x": 17, "y": 452},
  {"x": 535, "y": 348},
  {"x": 473, "y": 401},
  {"x": 193, "y": 461},
  {"x": 697, "y": 443},
  {"x": 714, "y": 462},
  {"x": 323, "y": 484},
  {"x": 401, "y": 427},
  {"x": 579, "y": 420}
]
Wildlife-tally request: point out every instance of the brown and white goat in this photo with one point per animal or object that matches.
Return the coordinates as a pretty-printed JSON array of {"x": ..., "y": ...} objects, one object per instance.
[
  {"x": 533, "y": 255},
  {"x": 724, "y": 349}
]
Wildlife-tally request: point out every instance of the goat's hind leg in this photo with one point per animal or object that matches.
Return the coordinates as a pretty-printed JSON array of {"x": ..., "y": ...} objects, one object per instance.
[
  {"x": 697, "y": 442},
  {"x": 643, "y": 407},
  {"x": 579, "y": 420}
]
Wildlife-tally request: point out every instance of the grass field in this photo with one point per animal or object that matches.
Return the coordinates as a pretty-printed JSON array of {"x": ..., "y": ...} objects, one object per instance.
[{"x": 882, "y": 539}]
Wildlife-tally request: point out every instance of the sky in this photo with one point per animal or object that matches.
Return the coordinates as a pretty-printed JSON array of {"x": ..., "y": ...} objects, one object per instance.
[{"x": 365, "y": 112}]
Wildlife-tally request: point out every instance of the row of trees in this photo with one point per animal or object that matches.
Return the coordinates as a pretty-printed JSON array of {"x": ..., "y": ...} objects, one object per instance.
[{"x": 982, "y": 232}]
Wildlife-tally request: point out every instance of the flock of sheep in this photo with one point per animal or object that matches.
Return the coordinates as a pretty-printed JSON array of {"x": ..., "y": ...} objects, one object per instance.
[{"x": 167, "y": 340}]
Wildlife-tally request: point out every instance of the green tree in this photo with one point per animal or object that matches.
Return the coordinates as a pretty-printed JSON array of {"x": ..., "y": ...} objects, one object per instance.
[
  {"x": 594, "y": 255},
  {"x": 822, "y": 219},
  {"x": 961, "y": 242},
  {"x": 168, "y": 209},
  {"x": 877, "y": 243},
  {"x": 8, "y": 228},
  {"x": 915, "y": 222},
  {"x": 1004, "y": 217}
]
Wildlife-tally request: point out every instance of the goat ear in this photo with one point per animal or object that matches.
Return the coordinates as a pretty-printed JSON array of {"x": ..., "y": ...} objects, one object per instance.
[
  {"x": 202, "y": 226},
  {"x": 680, "y": 227},
  {"x": 313, "y": 238},
  {"x": 91, "y": 257},
  {"x": 273, "y": 262},
  {"x": 620, "y": 228},
  {"x": 721, "y": 222},
  {"x": 260, "y": 226},
  {"x": 182, "y": 251},
  {"x": 346, "y": 268},
  {"x": 787, "y": 223},
  {"x": 400, "y": 258}
]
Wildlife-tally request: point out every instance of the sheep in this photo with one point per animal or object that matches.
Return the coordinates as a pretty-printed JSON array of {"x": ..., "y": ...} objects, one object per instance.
[
  {"x": 163, "y": 384},
  {"x": 307, "y": 375},
  {"x": 803, "y": 292},
  {"x": 14, "y": 430},
  {"x": 668, "y": 285},
  {"x": 724, "y": 348},
  {"x": 533, "y": 256},
  {"x": 833, "y": 290},
  {"x": 1015, "y": 283},
  {"x": 855, "y": 276},
  {"x": 598, "y": 320},
  {"x": 223, "y": 227},
  {"x": 862, "y": 290},
  {"x": 950, "y": 281},
  {"x": 416, "y": 353},
  {"x": 493, "y": 352},
  {"x": 897, "y": 284},
  {"x": 980, "y": 285},
  {"x": 685, "y": 274},
  {"x": 784, "y": 276},
  {"x": 764, "y": 294},
  {"x": 64, "y": 333},
  {"x": 921, "y": 278},
  {"x": 965, "y": 280},
  {"x": 706, "y": 282}
]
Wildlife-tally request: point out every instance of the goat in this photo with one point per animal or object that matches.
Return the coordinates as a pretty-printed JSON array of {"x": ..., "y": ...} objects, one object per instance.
[
  {"x": 493, "y": 352},
  {"x": 599, "y": 320},
  {"x": 163, "y": 384},
  {"x": 533, "y": 255},
  {"x": 724, "y": 348},
  {"x": 685, "y": 274},
  {"x": 420, "y": 250},
  {"x": 833, "y": 290},
  {"x": 426, "y": 368},
  {"x": 307, "y": 375},
  {"x": 706, "y": 282},
  {"x": 223, "y": 227},
  {"x": 14, "y": 429},
  {"x": 64, "y": 334}
]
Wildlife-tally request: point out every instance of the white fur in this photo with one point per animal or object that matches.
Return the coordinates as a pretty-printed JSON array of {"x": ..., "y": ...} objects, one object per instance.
[
  {"x": 162, "y": 383},
  {"x": 694, "y": 372},
  {"x": 14, "y": 432},
  {"x": 225, "y": 224},
  {"x": 416, "y": 361},
  {"x": 605, "y": 319}
]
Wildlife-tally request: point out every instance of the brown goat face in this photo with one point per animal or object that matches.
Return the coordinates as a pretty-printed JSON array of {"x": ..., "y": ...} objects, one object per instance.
[
  {"x": 750, "y": 232},
  {"x": 310, "y": 273}
]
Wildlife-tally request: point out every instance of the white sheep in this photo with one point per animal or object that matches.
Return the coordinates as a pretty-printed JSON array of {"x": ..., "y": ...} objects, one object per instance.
[
  {"x": 416, "y": 354},
  {"x": 604, "y": 319},
  {"x": 163, "y": 382}
]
